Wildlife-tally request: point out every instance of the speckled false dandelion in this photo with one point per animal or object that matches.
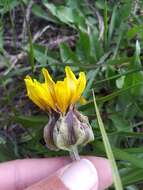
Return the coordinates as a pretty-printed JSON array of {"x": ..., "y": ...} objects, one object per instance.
[{"x": 67, "y": 127}]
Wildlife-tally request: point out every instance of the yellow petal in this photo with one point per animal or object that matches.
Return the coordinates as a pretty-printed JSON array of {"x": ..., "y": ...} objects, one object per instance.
[
  {"x": 82, "y": 100},
  {"x": 81, "y": 83},
  {"x": 39, "y": 94},
  {"x": 44, "y": 93},
  {"x": 62, "y": 95},
  {"x": 50, "y": 83},
  {"x": 31, "y": 92},
  {"x": 72, "y": 81},
  {"x": 48, "y": 78},
  {"x": 70, "y": 74}
]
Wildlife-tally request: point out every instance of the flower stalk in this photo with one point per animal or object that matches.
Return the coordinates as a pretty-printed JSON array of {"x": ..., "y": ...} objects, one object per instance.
[{"x": 74, "y": 154}]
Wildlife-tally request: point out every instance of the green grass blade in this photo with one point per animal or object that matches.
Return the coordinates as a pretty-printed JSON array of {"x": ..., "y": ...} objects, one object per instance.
[
  {"x": 123, "y": 155},
  {"x": 134, "y": 176},
  {"x": 115, "y": 173}
]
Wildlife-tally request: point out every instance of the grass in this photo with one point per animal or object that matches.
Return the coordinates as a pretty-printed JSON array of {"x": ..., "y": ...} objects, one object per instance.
[
  {"x": 102, "y": 38},
  {"x": 110, "y": 155}
]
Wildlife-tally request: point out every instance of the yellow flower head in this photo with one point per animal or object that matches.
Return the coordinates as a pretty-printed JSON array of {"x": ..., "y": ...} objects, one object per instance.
[{"x": 56, "y": 96}]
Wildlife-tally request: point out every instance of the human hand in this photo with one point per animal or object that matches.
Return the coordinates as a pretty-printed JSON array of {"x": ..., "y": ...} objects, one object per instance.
[{"x": 90, "y": 173}]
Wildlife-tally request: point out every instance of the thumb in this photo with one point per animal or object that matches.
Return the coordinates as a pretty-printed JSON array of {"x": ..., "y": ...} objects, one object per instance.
[{"x": 75, "y": 176}]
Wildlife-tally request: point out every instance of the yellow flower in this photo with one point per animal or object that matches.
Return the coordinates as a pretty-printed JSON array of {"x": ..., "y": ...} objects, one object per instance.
[{"x": 56, "y": 96}]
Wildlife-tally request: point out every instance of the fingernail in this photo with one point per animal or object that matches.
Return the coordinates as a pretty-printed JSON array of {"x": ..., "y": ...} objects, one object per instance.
[{"x": 80, "y": 175}]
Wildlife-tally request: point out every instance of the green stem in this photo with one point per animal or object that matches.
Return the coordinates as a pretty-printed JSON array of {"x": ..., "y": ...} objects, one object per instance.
[{"x": 74, "y": 153}]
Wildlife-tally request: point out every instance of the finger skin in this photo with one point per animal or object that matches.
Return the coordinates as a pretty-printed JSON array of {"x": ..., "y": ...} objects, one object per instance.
[
  {"x": 104, "y": 171},
  {"x": 19, "y": 174},
  {"x": 51, "y": 183}
]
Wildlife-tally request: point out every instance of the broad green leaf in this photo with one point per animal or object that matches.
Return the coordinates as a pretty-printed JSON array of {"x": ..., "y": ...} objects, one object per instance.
[
  {"x": 135, "y": 30},
  {"x": 67, "y": 15},
  {"x": 38, "y": 11},
  {"x": 31, "y": 121},
  {"x": 120, "y": 123},
  {"x": 67, "y": 55},
  {"x": 83, "y": 48}
]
